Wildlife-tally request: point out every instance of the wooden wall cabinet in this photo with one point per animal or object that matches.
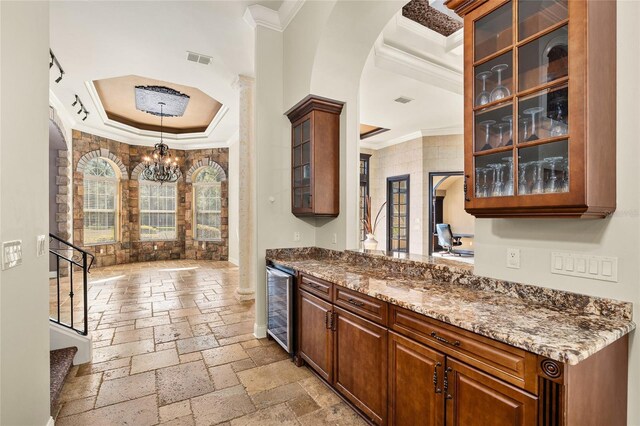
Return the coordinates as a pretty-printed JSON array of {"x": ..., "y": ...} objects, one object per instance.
[
  {"x": 397, "y": 367},
  {"x": 540, "y": 107},
  {"x": 315, "y": 157}
]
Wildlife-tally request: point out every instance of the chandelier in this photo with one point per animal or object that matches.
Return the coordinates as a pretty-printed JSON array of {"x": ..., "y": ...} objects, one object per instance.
[{"x": 160, "y": 167}]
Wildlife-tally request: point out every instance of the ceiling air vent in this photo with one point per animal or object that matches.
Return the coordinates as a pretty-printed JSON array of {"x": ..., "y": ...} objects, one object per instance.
[
  {"x": 403, "y": 100},
  {"x": 197, "y": 57}
]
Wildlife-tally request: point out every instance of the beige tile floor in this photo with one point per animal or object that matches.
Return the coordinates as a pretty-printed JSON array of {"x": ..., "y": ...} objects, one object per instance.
[{"x": 172, "y": 346}]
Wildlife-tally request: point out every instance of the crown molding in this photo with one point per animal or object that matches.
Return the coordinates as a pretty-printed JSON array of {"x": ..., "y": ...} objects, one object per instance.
[
  {"x": 400, "y": 62},
  {"x": 132, "y": 135},
  {"x": 278, "y": 20},
  {"x": 443, "y": 131}
]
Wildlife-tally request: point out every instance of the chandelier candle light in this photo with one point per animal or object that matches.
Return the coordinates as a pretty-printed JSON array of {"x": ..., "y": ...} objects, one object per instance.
[{"x": 161, "y": 167}]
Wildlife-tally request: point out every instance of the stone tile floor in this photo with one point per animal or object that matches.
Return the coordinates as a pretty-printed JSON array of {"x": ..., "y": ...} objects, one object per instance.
[{"x": 172, "y": 346}]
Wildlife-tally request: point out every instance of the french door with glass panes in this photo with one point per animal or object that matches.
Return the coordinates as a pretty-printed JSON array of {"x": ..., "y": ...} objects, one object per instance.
[{"x": 398, "y": 214}]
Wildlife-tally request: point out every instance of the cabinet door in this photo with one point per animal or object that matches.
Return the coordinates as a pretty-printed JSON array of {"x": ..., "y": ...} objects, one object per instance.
[
  {"x": 314, "y": 334},
  {"x": 301, "y": 165},
  {"x": 415, "y": 383},
  {"x": 475, "y": 398},
  {"x": 361, "y": 364}
]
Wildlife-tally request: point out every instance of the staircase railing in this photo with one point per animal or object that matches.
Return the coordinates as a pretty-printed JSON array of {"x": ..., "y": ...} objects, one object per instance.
[{"x": 70, "y": 257}]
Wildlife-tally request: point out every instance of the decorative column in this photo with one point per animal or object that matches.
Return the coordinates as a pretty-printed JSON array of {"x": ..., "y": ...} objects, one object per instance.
[{"x": 247, "y": 192}]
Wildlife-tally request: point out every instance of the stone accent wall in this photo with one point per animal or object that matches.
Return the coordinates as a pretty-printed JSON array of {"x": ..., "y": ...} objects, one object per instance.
[
  {"x": 63, "y": 195},
  {"x": 129, "y": 247}
]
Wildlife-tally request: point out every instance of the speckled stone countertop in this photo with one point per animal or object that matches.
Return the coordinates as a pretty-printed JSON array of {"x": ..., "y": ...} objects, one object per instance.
[{"x": 563, "y": 326}]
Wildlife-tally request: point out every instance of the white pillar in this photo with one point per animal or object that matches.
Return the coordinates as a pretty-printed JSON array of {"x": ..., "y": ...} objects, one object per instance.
[{"x": 247, "y": 192}]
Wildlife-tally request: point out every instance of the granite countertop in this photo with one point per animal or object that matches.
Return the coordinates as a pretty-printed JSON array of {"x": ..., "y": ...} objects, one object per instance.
[{"x": 520, "y": 316}]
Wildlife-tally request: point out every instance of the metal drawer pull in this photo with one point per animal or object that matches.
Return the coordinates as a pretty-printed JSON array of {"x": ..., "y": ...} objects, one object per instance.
[
  {"x": 447, "y": 395},
  {"x": 355, "y": 302},
  {"x": 314, "y": 285},
  {"x": 435, "y": 378},
  {"x": 443, "y": 340}
]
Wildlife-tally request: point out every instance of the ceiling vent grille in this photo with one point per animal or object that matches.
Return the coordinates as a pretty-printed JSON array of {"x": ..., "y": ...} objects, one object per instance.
[
  {"x": 403, "y": 100},
  {"x": 197, "y": 57}
]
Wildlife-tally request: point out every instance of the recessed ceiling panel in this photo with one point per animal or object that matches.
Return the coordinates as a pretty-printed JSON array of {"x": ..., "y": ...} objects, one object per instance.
[{"x": 118, "y": 98}]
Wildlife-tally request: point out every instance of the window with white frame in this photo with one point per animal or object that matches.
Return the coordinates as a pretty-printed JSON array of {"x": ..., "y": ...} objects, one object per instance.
[
  {"x": 100, "y": 202},
  {"x": 157, "y": 210},
  {"x": 207, "y": 201}
]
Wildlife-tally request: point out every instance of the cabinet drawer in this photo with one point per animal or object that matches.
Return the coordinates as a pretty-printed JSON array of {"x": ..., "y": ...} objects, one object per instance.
[
  {"x": 316, "y": 286},
  {"x": 361, "y": 304},
  {"x": 513, "y": 365}
]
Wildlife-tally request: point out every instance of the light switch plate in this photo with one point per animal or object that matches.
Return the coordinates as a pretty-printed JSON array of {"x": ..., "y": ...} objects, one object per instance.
[
  {"x": 585, "y": 266},
  {"x": 11, "y": 254},
  {"x": 41, "y": 245}
]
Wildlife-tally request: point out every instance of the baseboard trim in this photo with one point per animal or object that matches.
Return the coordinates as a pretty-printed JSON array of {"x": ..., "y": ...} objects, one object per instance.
[
  {"x": 234, "y": 261},
  {"x": 51, "y": 422},
  {"x": 259, "y": 331}
]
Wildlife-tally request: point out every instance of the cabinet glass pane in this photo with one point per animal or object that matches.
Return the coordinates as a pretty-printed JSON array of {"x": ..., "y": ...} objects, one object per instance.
[
  {"x": 306, "y": 174},
  {"x": 494, "y": 79},
  {"x": 494, "y": 175},
  {"x": 306, "y": 152},
  {"x": 544, "y": 115},
  {"x": 537, "y": 15},
  {"x": 297, "y": 198},
  {"x": 306, "y": 130},
  {"x": 306, "y": 198},
  {"x": 297, "y": 176},
  {"x": 544, "y": 168},
  {"x": 297, "y": 155},
  {"x": 544, "y": 59},
  {"x": 493, "y": 32},
  {"x": 297, "y": 135},
  {"x": 493, "y": 127}
]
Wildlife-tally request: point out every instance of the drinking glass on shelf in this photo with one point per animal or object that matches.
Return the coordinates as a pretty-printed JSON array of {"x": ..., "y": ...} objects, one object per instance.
[
  {"x": 552, "y": 184},
  {"x": 500, "y": 91},
  {"x": 509, "y": 119},
  {"x": 484, "y": 97},
  {"x": 522, "y": 178},
  {"x": 565, "y": 175},
  {"x": 481, "y": 182},
  {"x": 487, "y": 124},
  {"x": 538, "y": 177},
  {"x": 533, "y": 112},
  {"x": 501, "y": 127},
  {"x": 524, "y": 124},
  {"x": 508, "y": 179}
]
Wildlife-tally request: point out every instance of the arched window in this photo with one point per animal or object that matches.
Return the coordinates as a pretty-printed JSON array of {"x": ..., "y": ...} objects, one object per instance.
[
  {"x": 158, "y": 205},
  {"x": 100, "y": 202},
  {"x": 207, "y": 201}
]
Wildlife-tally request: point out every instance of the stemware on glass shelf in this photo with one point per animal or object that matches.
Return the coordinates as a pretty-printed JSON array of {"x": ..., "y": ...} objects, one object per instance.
[
  {"x": 508, "y": 184},
  {"x": 481, "y": 182},
  {"x": 533, "y": 112},
  {"x": 552, "y": 184},
  {"x": 538, "y": 177},
  {"x": 524, "y": 125},
  {"x": 487, "y": 125},
  {"x": 501, "y": 127},
  {"x": 509, "y": 119},
  {"x": 500, "y": 91},
  {"x": 484, "y": 97},
  {"x": 523, "y": 188},
  {"x": 558, "y": 116}
]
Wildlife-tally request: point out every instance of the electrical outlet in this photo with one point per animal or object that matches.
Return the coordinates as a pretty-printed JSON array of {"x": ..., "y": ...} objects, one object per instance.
[
  {"x": 513, "y": 258},
  {"x": 296, "y": 236},
  {"x": 11, "y": 254},
  {"x": 155, "y": 247},
  {"x": 101, "y": 251},
  {"x": 41, "y": 245}
]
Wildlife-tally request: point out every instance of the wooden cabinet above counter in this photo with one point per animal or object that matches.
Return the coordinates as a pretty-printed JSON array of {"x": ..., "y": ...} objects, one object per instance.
[
  {"x": 540, "y": 107},
  {"x": 315, "y": 157}
]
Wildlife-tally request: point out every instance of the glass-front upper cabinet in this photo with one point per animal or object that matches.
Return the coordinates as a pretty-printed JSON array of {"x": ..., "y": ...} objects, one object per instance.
[{"x": 539, "y": 95}]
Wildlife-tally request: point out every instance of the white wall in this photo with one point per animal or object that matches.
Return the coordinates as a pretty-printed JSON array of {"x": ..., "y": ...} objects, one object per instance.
[
  {"x": 617, "y": 236},
  {"x": 24, "y": 292},
  {"x": 234, "y": 198},
  {"x": 453, "y": 211}
]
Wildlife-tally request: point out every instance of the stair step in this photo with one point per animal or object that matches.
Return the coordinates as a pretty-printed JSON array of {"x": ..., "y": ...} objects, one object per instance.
[{"x": 60, "y": 362}]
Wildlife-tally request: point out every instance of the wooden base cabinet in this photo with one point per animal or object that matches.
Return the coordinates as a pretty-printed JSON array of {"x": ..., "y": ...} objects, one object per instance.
[
  {"x": 361, "y": 364},
  {"x": 399, "y": 368}
]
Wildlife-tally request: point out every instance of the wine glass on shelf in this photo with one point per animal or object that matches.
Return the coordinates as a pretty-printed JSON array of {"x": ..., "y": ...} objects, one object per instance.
[
  {"x": 533, "y": 112},
  {"x": 522, "y": 178},
  {"x": 509, "y": 119},
  {"x": 558, "y": 117},
  {"x": 552, "y": 185},
  {"x": 481, "y": 182},
  {"x": 565, "y": 175},
  {"x": 508, "y": 182},
  {"x": 487, "y": 125},
  {"x": 484, "y": 97},
  {"x": 500, "y": 91},
  {"x": 538, "y": 177},
  {"x": 501, "y": 127},
  {"x": 524, "y": 124}
]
